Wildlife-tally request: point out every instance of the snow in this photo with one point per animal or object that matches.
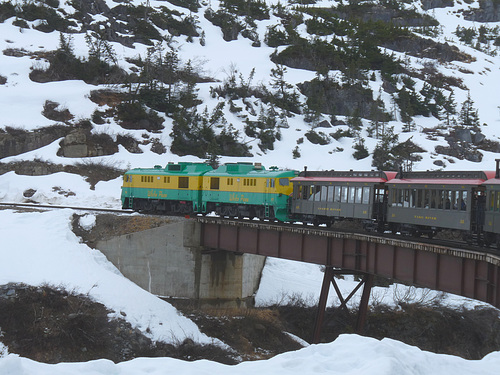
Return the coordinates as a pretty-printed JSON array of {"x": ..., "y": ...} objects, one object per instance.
[
  {"x": 52, "y": 254},
  {"x": 40, "y": 248},
  {"x": 348, "y": 355}
]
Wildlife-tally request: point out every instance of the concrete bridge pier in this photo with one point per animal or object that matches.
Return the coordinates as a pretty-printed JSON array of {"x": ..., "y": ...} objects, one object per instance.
[{"x": 169, "y": 261}]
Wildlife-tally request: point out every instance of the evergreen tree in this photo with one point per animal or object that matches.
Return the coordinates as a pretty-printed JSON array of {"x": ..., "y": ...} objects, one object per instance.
[
  {"x": 383, "y": 157},
  {"x": 361, "y": 150},
  {"x": 355, "y": 124},
  {"x": 66, "y": 45},
  {"x": 284, "y": 95},
  {"x": 188, "y": 96},
  {"x": 449, "y": 108},
  {"x": 170, "y": 72},
  {"x": 100, "y": 50},
  {"x": 405, "y": 154},
  {"x": 379, "y": 119},
  {"x": 468, "y": 116}
]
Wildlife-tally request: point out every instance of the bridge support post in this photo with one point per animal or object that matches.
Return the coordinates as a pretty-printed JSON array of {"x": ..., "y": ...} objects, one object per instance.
[{"x": 329, "y": 277}]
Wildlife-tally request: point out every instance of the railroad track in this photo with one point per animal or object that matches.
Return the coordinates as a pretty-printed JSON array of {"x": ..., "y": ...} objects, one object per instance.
[
  {"x": 50, "y": 206},
  {"x": 449, "y": 243}
]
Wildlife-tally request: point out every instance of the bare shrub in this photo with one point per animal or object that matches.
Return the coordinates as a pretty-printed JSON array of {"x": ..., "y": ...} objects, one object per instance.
[
  {"x": 98, "y": 170},
  {"x": 52, "y": 111}
]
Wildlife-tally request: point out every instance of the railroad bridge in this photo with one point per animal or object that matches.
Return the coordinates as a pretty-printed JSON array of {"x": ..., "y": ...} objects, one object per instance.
[
  {"x": 458, "y": 271},
  {"x": 199, "y": 259}
]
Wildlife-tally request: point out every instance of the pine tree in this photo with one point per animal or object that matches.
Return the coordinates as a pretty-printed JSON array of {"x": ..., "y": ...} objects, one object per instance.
[
  {"x": 188, "y": 96},
  {"x": 284, "y": 95},
  {"x": 383, "y": 157},
  {"x": 379, "y": 118},
  {"x": 355, "y": 124},
  {"x": 100, "y": 49},
  {"x": 469, "y": 117},
  {"x": 450, "y": 108},
  {"x": 361, "y": 150},
  {"x": 170, "y": 72}
]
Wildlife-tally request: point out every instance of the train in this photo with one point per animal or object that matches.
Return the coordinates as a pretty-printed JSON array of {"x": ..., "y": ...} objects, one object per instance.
[
  {"x": 233, "y": 190},
  {"x": 414, "y": 203}
]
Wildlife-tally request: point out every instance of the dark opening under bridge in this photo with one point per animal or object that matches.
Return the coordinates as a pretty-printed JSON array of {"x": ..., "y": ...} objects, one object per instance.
[{"x": 464, "y": 272}]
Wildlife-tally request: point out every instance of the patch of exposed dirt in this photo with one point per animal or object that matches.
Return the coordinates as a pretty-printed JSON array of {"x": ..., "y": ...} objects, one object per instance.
[
  {"x": 51, "y": 325},
  {"x": 470, "y": 334},
  {"x": 108, "y": 226},
  {"x": 254, "y": 333}
]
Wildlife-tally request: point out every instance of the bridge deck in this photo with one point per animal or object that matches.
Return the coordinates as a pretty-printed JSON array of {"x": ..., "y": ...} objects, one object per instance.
[{"x": 464, "y": 272}]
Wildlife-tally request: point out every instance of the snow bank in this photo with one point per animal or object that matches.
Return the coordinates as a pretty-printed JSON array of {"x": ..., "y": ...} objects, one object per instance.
[
  {"x": 40, "y": 248},
  {"x": 348, "y": 355}
]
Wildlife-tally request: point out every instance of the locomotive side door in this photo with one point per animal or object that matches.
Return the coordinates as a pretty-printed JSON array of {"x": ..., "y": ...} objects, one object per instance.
[
  {"x": 268, "y": 191},
  {"x": 478, "y": 206},
  {"x": 380, "y": 200}
]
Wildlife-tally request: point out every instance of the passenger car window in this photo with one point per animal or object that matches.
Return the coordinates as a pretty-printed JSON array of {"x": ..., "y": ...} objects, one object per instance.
[
  {"x": 343, "y": 198},
  {"x": 366, "y": 195}
]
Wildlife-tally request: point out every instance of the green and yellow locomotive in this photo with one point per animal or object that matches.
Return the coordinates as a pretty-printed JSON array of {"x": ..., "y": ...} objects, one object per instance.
[
  {"x": 233, "y": 189},
  {"x": 175, "y": 189},
  {"x": 247, "y": 190}
]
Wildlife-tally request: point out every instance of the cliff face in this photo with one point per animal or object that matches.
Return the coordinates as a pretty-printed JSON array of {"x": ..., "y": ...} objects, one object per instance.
[
  {"x": 489, "y": 11},
  {"x": 16, "y": 141}
]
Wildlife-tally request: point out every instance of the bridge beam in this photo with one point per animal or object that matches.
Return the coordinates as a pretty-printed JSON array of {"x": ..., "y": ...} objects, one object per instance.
[
  {"x": 460, "y": 271},
  {"x": 329, "y": 278}
]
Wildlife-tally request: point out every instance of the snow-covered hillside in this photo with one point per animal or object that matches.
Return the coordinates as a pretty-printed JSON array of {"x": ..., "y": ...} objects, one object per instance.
[
  {"x": 22, "y": 100},
  {"x": 40, "y": 248}
]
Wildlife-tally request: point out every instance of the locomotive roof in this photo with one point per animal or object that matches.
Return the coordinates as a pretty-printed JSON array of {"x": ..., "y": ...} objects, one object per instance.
[
  {"x": 251, "y": 170},
  {"x": 443, "y": 177},
  {"x": 185, "y": 168},
  {"x": 345, "y": 176}
]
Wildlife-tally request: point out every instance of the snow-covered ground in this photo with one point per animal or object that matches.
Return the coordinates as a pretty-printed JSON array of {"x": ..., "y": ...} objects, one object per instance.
[
  {"x": 40, "y": 248},
  {"x": 22, "y": 100},
  {"x": 348, "y": 355}
]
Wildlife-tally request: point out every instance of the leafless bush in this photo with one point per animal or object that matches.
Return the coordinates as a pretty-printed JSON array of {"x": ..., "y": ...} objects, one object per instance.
[
  {"x": 98, "y": 170},
  {"x": 404, "y": 295}
]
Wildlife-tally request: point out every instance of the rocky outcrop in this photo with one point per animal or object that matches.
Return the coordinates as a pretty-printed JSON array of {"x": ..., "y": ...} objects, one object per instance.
[
  {"x": 421, "y": 47},
  {"x": 464, "y": 144},
  {"x": 54, "y": 112},
  {"x": 378, "y": 13},
  {"x": 77, "y": 142},
  {"x": 339, "y": 100},
  {"x": 80, "y": 143},
  {"x": 489, "y": 11},
  {"x": 432, "y": 4},
  {"x": 17, "y": 141}
]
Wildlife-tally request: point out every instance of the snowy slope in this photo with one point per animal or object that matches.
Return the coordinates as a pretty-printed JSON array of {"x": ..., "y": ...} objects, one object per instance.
[
  {"x": 52, "y": 253},
  {"x": 21, "y": 100}
]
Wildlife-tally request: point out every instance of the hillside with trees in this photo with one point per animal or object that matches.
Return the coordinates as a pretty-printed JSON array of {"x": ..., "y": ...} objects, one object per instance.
[{"x": 382, "y": 84}]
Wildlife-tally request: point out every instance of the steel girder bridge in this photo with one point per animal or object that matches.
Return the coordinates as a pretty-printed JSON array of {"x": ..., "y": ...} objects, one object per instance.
[{"x": 459, "y": 271}]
